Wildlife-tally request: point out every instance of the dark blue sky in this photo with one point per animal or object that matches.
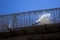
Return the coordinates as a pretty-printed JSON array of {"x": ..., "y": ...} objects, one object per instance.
[{"x": 15, "y": 6}]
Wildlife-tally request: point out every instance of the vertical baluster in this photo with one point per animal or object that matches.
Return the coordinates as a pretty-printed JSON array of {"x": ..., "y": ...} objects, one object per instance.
[
  {"x": 1, "y": 26},
  {"x": 57, "y": 15},
  {"x": 29, "y": 17},
  {"x": 16, "y": 21},
  {"x": 2, "y": 22},
  {"x": 53, "y": 15},
  {"x": 13, "y": 21}
]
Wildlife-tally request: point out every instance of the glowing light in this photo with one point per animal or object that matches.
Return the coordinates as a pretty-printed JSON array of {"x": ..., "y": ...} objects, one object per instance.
[{"x": 44, "y": 19}]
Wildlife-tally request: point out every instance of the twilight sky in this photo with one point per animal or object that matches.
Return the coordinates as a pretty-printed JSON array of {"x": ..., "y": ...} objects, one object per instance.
[{"x": 16, "y": 6}]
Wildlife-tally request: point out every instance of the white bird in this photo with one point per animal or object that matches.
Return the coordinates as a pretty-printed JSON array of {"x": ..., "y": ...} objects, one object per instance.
[{"x": 44, "y": 19}]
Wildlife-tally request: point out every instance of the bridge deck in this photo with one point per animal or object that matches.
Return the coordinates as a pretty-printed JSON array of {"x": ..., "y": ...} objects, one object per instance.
[{"x": 44, "y": 30}]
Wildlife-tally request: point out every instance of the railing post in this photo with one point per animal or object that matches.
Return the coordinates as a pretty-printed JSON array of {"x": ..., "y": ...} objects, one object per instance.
[
  {"x": 29, "y": 19},
  {"x": 13, "y": 21}
]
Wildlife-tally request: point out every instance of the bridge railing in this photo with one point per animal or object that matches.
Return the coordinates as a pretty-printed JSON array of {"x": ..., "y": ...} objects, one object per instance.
[{"x": 27, "y": 18}]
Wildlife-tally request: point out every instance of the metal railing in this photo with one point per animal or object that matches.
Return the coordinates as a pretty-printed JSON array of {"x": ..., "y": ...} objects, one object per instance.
[{"x": 27, "y": 18}]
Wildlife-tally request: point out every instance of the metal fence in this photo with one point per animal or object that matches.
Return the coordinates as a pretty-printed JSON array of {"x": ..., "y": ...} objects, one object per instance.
[{"x": 27, "y": 18}]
